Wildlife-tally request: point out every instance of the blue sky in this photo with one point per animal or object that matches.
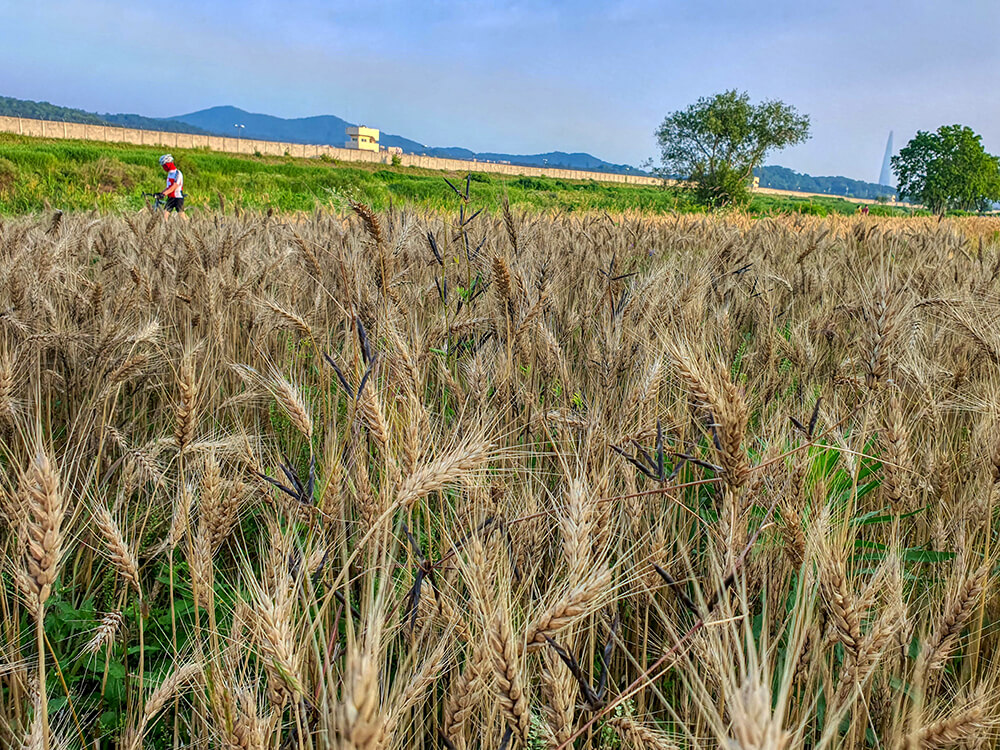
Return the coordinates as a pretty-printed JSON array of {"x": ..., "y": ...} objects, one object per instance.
[{"x": 524, "y": 77}]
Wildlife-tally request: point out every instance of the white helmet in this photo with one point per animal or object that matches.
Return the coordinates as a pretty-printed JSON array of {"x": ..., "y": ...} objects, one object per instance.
[{"x": 166, "y": 159}]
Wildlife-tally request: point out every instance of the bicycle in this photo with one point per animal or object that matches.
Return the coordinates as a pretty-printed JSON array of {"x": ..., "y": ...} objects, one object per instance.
[{"x": 159, "y": 203}]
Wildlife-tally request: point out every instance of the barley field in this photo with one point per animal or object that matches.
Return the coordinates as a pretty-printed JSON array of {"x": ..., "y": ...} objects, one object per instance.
[{"x": 414, "y": 480}]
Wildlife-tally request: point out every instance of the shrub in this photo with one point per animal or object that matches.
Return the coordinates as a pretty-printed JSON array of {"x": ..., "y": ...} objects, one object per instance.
[
  {"x": 108, "y": 175},
  {"x": 812, "y": 209},
  {"x": 188, "y": 165},
  {"x": 532, "y": 183},
  {"x": 8, "y": 173}
]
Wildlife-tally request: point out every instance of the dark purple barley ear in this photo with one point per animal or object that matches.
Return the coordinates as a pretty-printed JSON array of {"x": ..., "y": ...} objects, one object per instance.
[
  {"x": 366, "y": 351},
  {"x": 368, "y": 372},
  {"x": 698, "y": 462},
  {"x": 678, "y": 590},
  {"x": 589, "y": 696},
  {"x": 434, "y": 248},
  {"x": 602, "y": 680},
  {"x": 340, "y": 376},
  {"x": 815, "y": 415},
  {"x": 457, "y": 191}
]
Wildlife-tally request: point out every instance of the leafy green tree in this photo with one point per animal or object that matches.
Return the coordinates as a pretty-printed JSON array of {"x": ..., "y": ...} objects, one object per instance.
[
  {"x": 948, "y": 169},
  {"x": 714, "y": 145}
]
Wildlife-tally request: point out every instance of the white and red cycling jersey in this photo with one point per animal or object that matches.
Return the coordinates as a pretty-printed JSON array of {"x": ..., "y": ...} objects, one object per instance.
[{"x": 174, "y": 176}]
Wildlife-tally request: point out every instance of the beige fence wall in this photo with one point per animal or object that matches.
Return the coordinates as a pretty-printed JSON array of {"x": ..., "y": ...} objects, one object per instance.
[{"x": 79, "y": 131}]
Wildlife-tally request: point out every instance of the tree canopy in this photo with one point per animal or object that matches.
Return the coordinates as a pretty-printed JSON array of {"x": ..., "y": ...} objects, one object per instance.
[
  {"x": 715, "y": 144},
  {"x": 948, "y": 169}
]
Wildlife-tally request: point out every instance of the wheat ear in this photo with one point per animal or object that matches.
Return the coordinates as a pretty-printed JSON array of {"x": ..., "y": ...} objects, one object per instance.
[
  {"x": 296, "y": 321},
  {"x": 289, "y": 398},
  {"x": 576, "y": 530},
  {"x": 311, "y": 260},
  {"x": 639, "y": 736},
  {"x": 105, "y": 633},
  {"x": 7, "y": 409},
  {"x": 372, "y": 416},
  {"x": 435, "y": 475},
  {"x": 732, "y": 415},
  {"x": 465, "y": 694},
  {"x": 951, "y": 730},
  {"x": 278, "y": 647},
  {"x": 186, "y": 412},
  {"x": 431, "y": 668},
  {"x": 121, "y": 554},
  {"x": 558, "y": 689},
  {"x": 960, "y": 602},
  {"x": 44, "y": 537},
  {"x": 509, "y": 224},
  {"x": 361, "y": 721},
  {"x": 44, "y": 548},
  {"x": 841, "y": 603},
  {"x": 577, "y": 602},
  {"x": 898, "y": 472},
  {"x": 501, "y": 274},
  {"x": 219, "y": 503},
  {"x": 503, "y": 653},
  {"x": 166, "y": 690},
  {"x": 179, "y": 519}
]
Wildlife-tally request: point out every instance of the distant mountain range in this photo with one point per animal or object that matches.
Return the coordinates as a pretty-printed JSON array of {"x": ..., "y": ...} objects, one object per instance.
[{"x": 329, "y": 130}]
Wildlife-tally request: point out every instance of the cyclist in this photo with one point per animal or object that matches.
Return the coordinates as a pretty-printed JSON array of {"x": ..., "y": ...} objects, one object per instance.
[{"x": 175, "y": 186}]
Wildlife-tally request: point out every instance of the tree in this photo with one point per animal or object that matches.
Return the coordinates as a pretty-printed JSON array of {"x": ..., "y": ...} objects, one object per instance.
[
  {"x": 947, "y": 169},
  {"x": 714, "y": 145}
]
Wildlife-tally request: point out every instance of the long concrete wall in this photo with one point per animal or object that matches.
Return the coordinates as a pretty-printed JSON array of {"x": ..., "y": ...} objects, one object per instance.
[{"x": 108, "y": 134}]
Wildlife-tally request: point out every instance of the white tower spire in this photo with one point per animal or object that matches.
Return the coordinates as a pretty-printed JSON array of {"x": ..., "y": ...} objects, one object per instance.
[{"x": 885, "y": 178}]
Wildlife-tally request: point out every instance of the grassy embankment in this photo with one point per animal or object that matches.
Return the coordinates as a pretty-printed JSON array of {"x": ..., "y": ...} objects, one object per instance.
[{"x": 80, "y": 175}]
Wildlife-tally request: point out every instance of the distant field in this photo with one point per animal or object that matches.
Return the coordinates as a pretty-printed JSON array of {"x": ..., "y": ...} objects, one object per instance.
[{"x": 81, "y": 176}]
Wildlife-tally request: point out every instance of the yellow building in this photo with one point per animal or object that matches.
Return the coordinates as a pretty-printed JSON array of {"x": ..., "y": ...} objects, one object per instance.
[{"x": 362, "y": 138}]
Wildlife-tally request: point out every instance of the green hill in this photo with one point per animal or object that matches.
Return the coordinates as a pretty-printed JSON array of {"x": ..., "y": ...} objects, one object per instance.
[{"x": 10, "y": 107}]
